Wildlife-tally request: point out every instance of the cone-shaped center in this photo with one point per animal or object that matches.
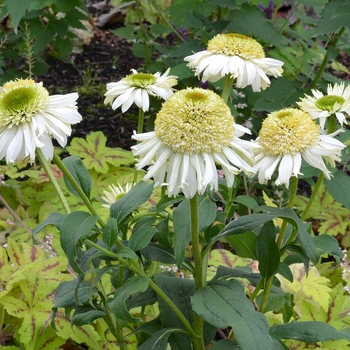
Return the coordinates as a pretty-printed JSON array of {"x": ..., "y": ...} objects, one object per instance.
[
  {"x": 236, "y": 45},
  {"x": 20, "y": 100},
  {"x": 140, "y": 80},
  {"x": 329, "y": 102},
  {"x": 195, "y": 121},
  {"x": 288, "y": 131}
]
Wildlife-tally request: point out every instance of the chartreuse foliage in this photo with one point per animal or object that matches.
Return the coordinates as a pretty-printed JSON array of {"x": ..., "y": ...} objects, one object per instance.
[{"x": 124, "y": 275}]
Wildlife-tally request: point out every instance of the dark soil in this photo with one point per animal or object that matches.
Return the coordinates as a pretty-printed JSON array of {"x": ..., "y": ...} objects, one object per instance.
[{"x": 106, "y": 59}]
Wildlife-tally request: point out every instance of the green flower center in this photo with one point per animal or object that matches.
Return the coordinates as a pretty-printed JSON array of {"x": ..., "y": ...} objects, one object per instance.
[
  {"x": 236, "y": 45},
  {"x": 195, "y": 121},
  {"x": 329, "y": 102},
  {"x": 140, "y": 80},
  {"x": 288, "y": 131},
  {"x": 20, "y": 100}
]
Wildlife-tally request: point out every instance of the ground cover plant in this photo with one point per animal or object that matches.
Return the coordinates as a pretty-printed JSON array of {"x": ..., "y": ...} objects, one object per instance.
[{"x": 225, "y": 226}]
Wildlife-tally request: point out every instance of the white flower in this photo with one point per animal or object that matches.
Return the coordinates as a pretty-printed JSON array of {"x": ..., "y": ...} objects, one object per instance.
[
  {"x": 193, "y": 130},
  {"x": 136, "y": 88},
  {"x": 287, "y": 136},
  {"x": 238, "y": 56},
  {"x": 114, "y": 193},
  {"x": 337, "y": 101},
  {"x": 29, "y": 118}
]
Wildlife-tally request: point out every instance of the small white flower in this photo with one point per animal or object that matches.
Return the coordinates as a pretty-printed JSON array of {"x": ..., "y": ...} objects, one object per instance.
[
  {"x": 238, "y": 56},
  {"x": 114, "y": 193},
  {"x": 287, "y": 136},
  {"x": 136, "y": 88},
  {"x": 29, "y": 118},
  {"x": 194, "y": 130},
  {"x": 337, "y": 101}
]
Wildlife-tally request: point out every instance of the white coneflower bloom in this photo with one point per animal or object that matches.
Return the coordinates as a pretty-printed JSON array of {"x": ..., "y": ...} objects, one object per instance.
[
  {"x": 337, "y": 101},
  {"x": 287, "y": 136},
  {"x": 238, "y": 56},
  {"x": 114, "y": 193},
  {"x": 136, "y": 88},
  {"x": 29, "y": 118},
  {"x": 194, "y": 130}
]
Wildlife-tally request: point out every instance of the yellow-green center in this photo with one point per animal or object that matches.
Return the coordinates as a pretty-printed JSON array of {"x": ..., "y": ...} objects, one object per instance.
[
  {"x": 288, "y": 131},
  {"x": 328, "y": 102},
  {"x": 20, "y": 100},
  {"x": 140, "y": 80},
  {"x": 236, "y": 45},
  {"x": 195, "y": 121}
]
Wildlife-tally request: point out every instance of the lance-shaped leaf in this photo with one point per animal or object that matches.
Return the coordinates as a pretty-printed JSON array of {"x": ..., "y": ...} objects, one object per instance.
[
  {"x": 119, "y": 303},
  {"x": 159, "y": 340},
  {"x": 80, "y": 174},
  {"x": 224, "y": 304},
  {"x": 110, "y": 232}
]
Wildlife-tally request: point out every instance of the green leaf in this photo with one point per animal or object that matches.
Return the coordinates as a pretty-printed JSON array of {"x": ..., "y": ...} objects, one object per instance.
[
  {"x": 259, "y": 25},
  {"x": 182, "y": 230},
  {"x": 74, "y": 226},
  {"x": 159, "y": 340},
  {"x": 225, "y": 305},
  {"x": 244, "y": 244},
  {"x": 267, "y": 250},
  {"x": 64, "y": 46},
  {"x": 96, "y": 155},
  {"x": 54, "y": 219},
  {"x": 180, "y": 291},
  {"x": 65, "y": 5},
  {"x": 328, "y": 244},
  {"x": 225, "y": 344},
  {"x": 80, "y": 174},
  {"x": 110, "y": 232},
  {"x": 247, "y": 201},
  {"x": 339, "y": 188},
  {"x": 224, "y": 272},
  {"x": 138, "y": 195},
  {"x": 308, "y": 332},
  {"x": 118, "y": 304},
  {"x": 42, "y": 39},
  {"x": 17, "y": 9},
  {"x": 141, "y": 234},
  {"x": 206, "y": 212},
  {"x": 125, "y": 32},
  {"x": 86, "y": 315}
]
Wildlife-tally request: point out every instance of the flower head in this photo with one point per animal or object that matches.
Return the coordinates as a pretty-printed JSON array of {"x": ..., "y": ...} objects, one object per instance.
[
  {"x": 336, "y": 101},
  {"x": 237, "y": 55},
  {"x": 193, "y": 130},
  {"x": 287, "y": 136},
  {"x": 29, "y": 118},
  {"x": 136, "y": 88},
  {"x": 114, "y": 193}
]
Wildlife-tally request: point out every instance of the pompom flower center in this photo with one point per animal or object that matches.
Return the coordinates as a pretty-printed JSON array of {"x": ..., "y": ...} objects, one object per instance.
[
  {"x": 140, "y": 80},
  {"x": 20, "y": 100},
  {"x": 327, "y": 103},
  {"x": 288, "y": 131},
  {"x": 195, "y": 121},
  {"x": 236, "y": 45}
]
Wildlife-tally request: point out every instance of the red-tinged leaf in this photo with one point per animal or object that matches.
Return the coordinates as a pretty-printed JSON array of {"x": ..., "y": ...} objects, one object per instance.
[{"x": 96, "y": 155}]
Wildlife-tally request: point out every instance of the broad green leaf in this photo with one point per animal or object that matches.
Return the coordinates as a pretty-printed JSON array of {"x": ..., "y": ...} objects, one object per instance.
[
  {"x": 159, "y": 340},
  {"x": 118, "y": 305},
  {"x": 328, "y": 244},
  {"x": 206, "y": 212},
  {"x": 74, "y": 226},
  {"x": 54, "y": 219},
  {"x": 224, "y": 273},
  {"x": 110, "y": 232},
  {"x": 339, "y": 187},
  {"x": 182, "y": 230},
  {"x": 65, "y": 5},
  {"x": 244, "y": 244},
  {"x": 225, "y": 344},
  {"x": 86, "y": 314},
  {"x": 267, "y": 250},
  {"x": 141, "y": 234},
  {"x": 309, "y": 332},
  {"x": 125, "y": 32},
  {"x": 96, "y": 155},
  {"x": 17, "y": 9},
  {"x": 180, "y": 291},
  {"x": 225, "y": 305},
  {"x": 249, "y": 202},
  {"x": 80, "y": 175}
]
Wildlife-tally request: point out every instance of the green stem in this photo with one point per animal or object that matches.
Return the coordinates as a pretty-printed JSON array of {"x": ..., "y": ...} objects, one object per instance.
[
  {"x": 325, "y": 59},
  {"x": 76, "y": 186},
  {"x": 198, "y": 266},
  {"x": 45, "y": 164},
  {"x": 133, "y": 266},
  {"x": 226, "y": 90},
  {"x": 269, "y": 281}
]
